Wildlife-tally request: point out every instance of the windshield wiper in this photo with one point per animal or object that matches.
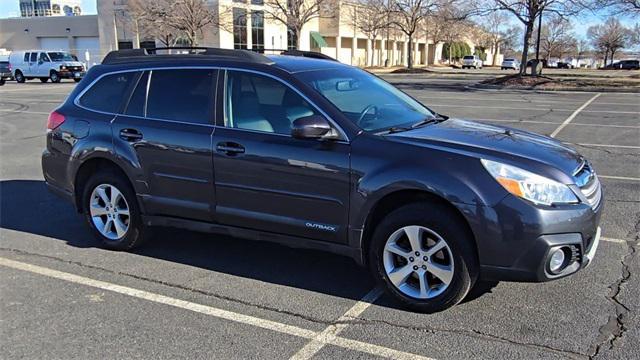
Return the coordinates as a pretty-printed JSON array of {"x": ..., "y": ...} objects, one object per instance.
[
  {"x": 394, "y": 129},
  {"x": 436, "y": 119}
]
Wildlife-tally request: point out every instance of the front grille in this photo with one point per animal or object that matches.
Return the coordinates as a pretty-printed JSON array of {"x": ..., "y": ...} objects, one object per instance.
[
  {"x": 589, "y": 184},
  {"x": 74, "y": 68}
]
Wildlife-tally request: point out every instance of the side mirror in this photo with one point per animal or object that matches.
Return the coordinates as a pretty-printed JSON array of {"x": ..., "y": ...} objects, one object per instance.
[{"x": 310, "y": 127}]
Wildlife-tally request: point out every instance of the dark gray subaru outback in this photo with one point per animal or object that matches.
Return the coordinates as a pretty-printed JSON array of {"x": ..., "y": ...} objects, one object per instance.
[{"x": 312, "y": 153}]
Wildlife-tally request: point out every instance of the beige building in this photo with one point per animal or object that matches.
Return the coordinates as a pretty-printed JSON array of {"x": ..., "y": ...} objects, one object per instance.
[{"x": 244, "y": 25}]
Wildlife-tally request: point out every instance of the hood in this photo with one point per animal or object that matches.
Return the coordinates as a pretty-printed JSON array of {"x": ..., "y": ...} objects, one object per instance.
[
  {"x": 498, "y": 142},
  {"x": 70, "y": 63}
]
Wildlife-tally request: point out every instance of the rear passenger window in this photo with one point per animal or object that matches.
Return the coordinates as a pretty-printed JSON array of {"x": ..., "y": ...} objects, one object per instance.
[
  {"x": 181, "y": 95},
  {"x": 26, "y": 57},
  {"x": 108, "y": 93},
  {"x": 34, "y": 57},
  {"x": 137, "y": 102}
]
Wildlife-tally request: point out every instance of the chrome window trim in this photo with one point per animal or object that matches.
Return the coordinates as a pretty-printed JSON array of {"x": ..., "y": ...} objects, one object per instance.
[{"x": 76, "y": 100}]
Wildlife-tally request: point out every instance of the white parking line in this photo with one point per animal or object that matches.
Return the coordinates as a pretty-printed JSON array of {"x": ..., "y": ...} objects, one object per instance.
[
  {"x": 613, "y": 240},
  {"x": 555, "y": 123},
  {"x": 318, "y": 342},
  {"x": 605, "y": 145},
  {"x": 367, "y": 348},
  {"x": 24, "y": 112},
  {"x": 573, "y": 115},
  {"x": 618, "y": 177}
]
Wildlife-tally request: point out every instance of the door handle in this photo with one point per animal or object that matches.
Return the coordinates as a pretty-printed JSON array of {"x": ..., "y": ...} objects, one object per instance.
[
  {"x": 130, "y": 135},
  {"x": 230, "y": 148}
]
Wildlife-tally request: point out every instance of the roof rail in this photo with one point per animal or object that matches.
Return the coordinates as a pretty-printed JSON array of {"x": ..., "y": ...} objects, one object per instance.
[
  {"x": 129, "y": 55},
  {"x": 309, "y": 54}
]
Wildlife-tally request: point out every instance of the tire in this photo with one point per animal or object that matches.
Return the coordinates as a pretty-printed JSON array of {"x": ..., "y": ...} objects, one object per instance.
[
  {"x": 54, "y": 76},
  {"x": 458, "y": 256},
  {"x": 2, "y": 82},
  {"x": 134, "y": 230},
  {"x": 77, "y": 80},
  {"x": 44, "y": 80},
  {"x": 19, "y": 77}
]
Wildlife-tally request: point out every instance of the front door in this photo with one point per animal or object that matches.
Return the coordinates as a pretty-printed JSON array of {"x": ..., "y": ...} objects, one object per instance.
[
  {"x": 43, "y": 66},
  {"x": 169, "y": 131},
  {"x": 267, "y": 180}
]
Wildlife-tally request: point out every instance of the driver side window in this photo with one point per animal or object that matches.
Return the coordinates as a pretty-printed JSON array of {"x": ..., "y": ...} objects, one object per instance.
[
  {"x": 43, "y": 57},
  {"x": 259, "y": 103}
]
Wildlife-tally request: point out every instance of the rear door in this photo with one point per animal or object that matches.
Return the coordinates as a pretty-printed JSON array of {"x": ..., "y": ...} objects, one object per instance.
[{"x": 168, "y": 126}]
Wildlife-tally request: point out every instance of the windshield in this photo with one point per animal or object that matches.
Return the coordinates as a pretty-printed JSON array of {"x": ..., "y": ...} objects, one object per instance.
[
  {"x": 370, "y": 102},
  {"x": 60, "y": 56}
]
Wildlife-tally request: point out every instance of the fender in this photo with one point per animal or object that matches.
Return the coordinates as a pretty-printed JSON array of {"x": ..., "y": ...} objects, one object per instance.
[{"x": 457, "y": 178}]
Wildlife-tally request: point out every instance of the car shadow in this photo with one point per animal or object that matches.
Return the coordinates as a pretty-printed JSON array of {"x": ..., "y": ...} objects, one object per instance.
[{"x": 27, "y": 206}]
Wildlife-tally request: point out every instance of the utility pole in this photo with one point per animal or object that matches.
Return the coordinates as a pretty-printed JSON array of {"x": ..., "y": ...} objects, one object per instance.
[{"x": 538, "y": 42}]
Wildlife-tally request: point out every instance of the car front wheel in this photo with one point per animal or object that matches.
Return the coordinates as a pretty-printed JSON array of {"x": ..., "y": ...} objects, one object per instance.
[
  {"x": 54, "y": 76},
  {"x": 423, "y": 257},
  {"x": 111, "y": 211}
]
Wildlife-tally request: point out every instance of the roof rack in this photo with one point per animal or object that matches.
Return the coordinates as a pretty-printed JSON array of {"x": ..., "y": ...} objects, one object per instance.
[
  {"x": 309, "y": 54},
  {"x": 129, "y": 55}
]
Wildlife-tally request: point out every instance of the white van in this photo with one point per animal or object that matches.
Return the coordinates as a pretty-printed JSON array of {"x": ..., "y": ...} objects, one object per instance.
[{"x": 45, "y": 65}]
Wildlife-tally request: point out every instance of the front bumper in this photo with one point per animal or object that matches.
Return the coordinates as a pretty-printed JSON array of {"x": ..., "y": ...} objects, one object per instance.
[
  {"x": 70, "y": 74},
  {"x": 515, "y": 239}
]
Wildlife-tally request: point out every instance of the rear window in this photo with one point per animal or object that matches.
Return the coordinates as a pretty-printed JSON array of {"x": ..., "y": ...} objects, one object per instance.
[
  {"x": 34, "y": 57},
  {"x": 108, "y": 93},
  {"x": 181, "y": 95},
  {"x": 509, "y": 59},
  {"x": 469, "y": 57},
  {"x": 26, "y": 57}
]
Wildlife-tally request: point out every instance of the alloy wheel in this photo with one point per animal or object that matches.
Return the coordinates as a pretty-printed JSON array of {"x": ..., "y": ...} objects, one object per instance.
[
  {"x": 418, "y": 262},
  {"x": 109, "y": 211}
]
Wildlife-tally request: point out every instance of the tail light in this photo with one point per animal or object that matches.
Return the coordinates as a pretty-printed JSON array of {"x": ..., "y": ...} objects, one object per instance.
[{"x": 55, "y": 119}]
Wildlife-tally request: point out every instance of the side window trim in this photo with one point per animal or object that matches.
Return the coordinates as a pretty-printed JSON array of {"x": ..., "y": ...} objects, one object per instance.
[{"x": 343, "y": 135}]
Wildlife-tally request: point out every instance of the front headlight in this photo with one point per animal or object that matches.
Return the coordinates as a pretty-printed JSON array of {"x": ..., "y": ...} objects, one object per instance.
[
  {"x": 62, "y": 67},
  {"x": 535, "y": 188}
]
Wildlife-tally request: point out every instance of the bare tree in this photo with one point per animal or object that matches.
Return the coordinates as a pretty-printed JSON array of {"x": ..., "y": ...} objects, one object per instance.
[
  {"x": 528, "y": 11},
  {"x": 582, "y": 47},
  {"x": 609, "y": 37},
  {"x": 556, "y": 37},
  {"x": 295, "y": 14},
  {"x": 371, "y": 17},
  {"x": 495, "y": 27},
  {"x": 190, "y": 17},
  {"x": 408, "y": 15},
  {"x": 621, "y": 6}
]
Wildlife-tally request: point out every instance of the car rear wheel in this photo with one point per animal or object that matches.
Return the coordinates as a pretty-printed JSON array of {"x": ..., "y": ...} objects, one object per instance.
[
  {"x": 19, "y": 77},
  {"x": 111, "y": 211},
  {"x": 54, "y": 76},
  {"x": 44, "y": 80},
  {"x": 77, "y": 80},
  {"x": 2, "y": 81},
  {"x": 423, "y": 257}
]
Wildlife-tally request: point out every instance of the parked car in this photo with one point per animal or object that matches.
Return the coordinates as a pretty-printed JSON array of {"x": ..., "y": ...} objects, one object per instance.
[
  {"x": 510, "y": 63},
  {"x": 564, "y": 65},
  {"x": 5, "y": 72},
  {"x": 624, "y": 65},
  {"x": 45, "y": 65},
  {"x": 316, "y": 154},
  {"x": 472, "y": 61}
]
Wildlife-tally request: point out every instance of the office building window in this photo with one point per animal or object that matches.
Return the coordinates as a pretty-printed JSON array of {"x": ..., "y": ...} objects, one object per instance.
[
  {"x": 239, "y": 28},
  {"x": 257, "y": 30}
]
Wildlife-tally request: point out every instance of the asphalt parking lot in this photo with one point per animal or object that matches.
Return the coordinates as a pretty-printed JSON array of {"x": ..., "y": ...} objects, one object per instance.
[{"x": 190, "y": 295}]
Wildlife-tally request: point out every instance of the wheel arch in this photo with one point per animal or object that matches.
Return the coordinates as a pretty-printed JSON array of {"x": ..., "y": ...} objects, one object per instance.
[
  {"x": 89, "y": 167},
  {"x": 397, "y": 199}
]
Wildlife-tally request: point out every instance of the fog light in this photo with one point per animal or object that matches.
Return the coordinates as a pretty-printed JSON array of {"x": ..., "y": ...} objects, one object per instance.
[{"x": 557, "y": 260}]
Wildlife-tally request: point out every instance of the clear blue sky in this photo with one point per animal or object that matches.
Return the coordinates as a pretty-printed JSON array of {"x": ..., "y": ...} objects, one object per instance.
[{"x": 11, "y": 8}]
